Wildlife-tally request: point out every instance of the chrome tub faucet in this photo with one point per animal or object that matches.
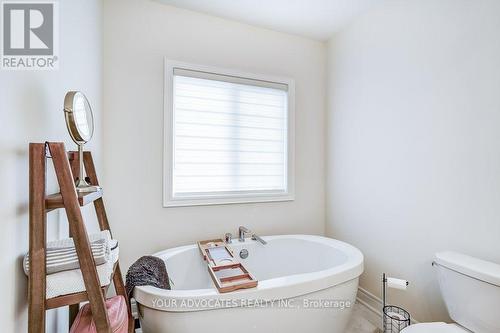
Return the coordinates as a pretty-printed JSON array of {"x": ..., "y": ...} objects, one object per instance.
[{"x": 242, "y": 231}]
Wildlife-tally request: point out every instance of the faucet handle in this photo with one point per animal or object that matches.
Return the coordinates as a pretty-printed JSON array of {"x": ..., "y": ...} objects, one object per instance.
[{"x": 228, "y": 237}]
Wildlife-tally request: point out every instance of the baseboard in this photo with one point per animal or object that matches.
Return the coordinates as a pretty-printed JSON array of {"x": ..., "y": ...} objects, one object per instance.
[{"x": 373, "y": 303}]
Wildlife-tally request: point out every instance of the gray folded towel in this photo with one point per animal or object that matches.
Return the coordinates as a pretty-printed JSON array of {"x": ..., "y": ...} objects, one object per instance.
[
  {"x": 147, "y": 271},
  {"x": 61, "y": 254}
]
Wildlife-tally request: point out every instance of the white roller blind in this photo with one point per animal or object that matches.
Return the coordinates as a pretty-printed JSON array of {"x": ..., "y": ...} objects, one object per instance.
[{"x": 229, "y": 135}]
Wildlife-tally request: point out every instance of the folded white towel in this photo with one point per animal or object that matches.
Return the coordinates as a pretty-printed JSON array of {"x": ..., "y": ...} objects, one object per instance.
[
  {"x": 61, "y": 254},
  {"x": 69, "y": 282}
]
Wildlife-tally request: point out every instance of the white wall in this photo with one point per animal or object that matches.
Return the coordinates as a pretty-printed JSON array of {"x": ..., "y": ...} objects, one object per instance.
[
  {"x": 31, "y": 111},
  {"x": 137, "y": 36},
  {"x": 414, "y": 141}
]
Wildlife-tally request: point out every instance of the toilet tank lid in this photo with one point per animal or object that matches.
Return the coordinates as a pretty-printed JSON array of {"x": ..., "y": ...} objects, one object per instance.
[{"x": 480, "y": 269}]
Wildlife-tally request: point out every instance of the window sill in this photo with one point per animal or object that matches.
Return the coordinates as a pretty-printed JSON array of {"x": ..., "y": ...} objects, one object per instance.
[{"x": 187, "y": 202}]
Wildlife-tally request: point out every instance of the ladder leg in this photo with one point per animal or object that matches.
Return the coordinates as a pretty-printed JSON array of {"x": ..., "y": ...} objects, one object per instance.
[
  {"x": 120, "y": 290},
  {"x": 99, "y": 203},
  {"x": 104, "y": 225},
  {"x": 80, "y": 237},
  {"x": 72, "y": 313},
  {"x": 37, "y": 238},
  {"x": 74, "y": 161},
  {"x": 75, "y": 170}
]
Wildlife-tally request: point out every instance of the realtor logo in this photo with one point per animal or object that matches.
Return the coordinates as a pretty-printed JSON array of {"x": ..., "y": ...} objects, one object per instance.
[{"x": 29, "y": 35}]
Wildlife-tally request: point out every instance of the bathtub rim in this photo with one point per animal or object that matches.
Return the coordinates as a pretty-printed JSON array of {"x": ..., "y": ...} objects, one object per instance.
[{"x": 286, "y": 287}]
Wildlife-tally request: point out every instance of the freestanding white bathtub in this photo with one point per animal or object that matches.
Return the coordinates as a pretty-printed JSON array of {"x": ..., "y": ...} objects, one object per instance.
[{"x": 306, "y": 284}]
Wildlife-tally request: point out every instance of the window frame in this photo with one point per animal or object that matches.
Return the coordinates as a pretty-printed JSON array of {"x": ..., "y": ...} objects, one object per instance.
[{"x": 168, "y": 142}]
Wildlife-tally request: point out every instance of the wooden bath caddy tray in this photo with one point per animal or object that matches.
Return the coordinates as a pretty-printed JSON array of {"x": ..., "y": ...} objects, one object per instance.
[{"x": 225, "y": 270}]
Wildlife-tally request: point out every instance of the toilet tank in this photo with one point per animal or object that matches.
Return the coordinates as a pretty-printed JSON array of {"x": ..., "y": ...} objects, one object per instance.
[{"x": 471, "y": 290}]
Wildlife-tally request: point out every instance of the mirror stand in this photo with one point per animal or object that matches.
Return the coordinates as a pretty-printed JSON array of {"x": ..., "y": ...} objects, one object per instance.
[{"x": 82, "y": 186}]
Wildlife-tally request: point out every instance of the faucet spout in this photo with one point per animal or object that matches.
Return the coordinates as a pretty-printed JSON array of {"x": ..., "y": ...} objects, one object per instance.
[
  {"x": 257, "y": 238},
  {"x": 241, "y": 233}
]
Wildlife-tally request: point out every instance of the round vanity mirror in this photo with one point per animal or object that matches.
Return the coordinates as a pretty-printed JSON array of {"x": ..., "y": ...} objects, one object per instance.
[
  {"x": 79, "y": 118},
  {"x": 80, "y": 124}
]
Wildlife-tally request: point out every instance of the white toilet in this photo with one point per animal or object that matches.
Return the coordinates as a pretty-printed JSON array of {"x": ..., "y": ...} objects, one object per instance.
[{"x": 471, "y": 291}]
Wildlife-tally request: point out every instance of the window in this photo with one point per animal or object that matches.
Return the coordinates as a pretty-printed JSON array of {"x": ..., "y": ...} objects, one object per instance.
[{"x": 228, "y": 137}]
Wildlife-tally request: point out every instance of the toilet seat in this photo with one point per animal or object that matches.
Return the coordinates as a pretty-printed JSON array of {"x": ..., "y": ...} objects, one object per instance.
[{"x": 434, "y": 328}]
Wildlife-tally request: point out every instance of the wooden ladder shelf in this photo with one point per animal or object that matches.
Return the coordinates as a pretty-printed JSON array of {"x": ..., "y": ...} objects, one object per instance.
[{"x": 66, "y": 166}]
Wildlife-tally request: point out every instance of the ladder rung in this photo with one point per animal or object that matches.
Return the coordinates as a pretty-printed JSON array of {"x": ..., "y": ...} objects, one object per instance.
[
  {"x": 55, "y": 200},
  {"x": 76, "y": 298}
]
